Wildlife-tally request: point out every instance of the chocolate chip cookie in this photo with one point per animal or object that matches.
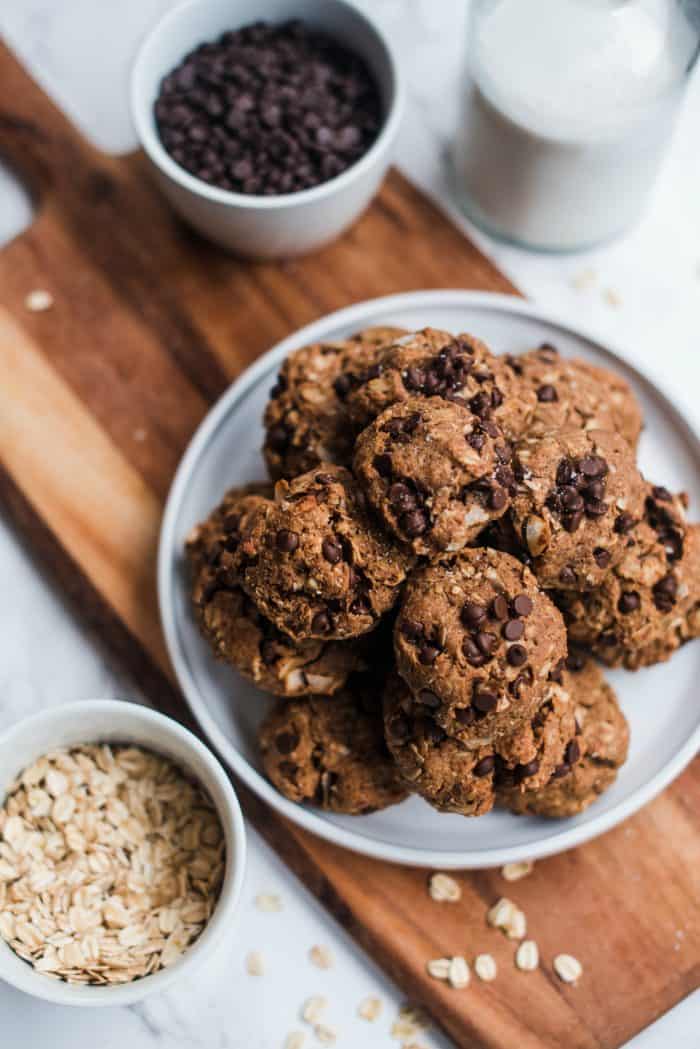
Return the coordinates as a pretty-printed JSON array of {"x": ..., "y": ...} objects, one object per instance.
[
  {"x": 604, "y": 741},
  {"x": 331, "y": 752},
  {"x": 435, "y": 472},
  {"x": 476, "y": 639},
  {"x": 455, "y": 777},
  {"x": 433, "y": 363},
  {"x": 647, "y": 606},
  {"x": 572, "y": 394},
  {"x": 212, "y": 545},
  {"x": 316, "y": 563},
  {"x": 575, "y": 491},
  {"x": 306, "y": 421}
]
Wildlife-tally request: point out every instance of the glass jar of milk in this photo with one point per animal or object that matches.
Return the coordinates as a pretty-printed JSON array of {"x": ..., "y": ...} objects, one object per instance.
[{"x": 569, "y": 107}]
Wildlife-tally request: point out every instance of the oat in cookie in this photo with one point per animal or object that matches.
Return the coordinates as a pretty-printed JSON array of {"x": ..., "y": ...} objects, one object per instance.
[
  {"x": 435, "y": 472},
  {"x": 572, "y": 394},
  {"x": 316, "y": 563},
  {"x": 604, "y": 738},
  {"x": 455, "y": 777},
  {"x": 330, "y": 751},
  {"x": 306, "y": 421},
  {"x": 648, "y": 604},
  {"x": 237, "y": 632},
  {"x": 433, "y": 363},
  {"x": 574, "y": 489},
  {"x": 476, "y": 639}
]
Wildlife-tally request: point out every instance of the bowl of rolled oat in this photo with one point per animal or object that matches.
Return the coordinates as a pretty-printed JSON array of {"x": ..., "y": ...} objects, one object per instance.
[{"x": 122, "y": 852}]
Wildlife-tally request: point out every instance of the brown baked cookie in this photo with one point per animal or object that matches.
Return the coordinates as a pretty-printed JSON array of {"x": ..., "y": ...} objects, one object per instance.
[
  {"x": 475, "y": 639},
  {"x": 647, "y": 606},
  {"x": 435, "y": 472},
  {"x": 331, "y": 752},
  {"x": 211, "y": 543},
  {"x": 316, "y": 563},
  {"x": 572, "y": 394},
  {"x": 433, "y": 363},
  {"x": 455, "y": 777},
  {"x": 604, "y": 740},
  {"x": 576, "y": 488},
  {"x": 306, "y": 422}
]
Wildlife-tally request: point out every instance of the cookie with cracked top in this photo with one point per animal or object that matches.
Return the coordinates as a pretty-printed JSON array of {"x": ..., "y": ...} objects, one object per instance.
[
  {"x": 434, "y": 363},
  {"x": 435, "y": 473},
  {"x": 604, "y": 738},
  {"x": 476, "y": 639},
  {"x": 574, "y": 488},
  {"x": 330, "y": 751},
  {"x": 316, "y": 562},
  {"x": 306, "y": 420}
]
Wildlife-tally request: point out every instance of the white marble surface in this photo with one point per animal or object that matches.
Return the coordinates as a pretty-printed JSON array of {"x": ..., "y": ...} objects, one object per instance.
[{"x": 643, "y": 292}]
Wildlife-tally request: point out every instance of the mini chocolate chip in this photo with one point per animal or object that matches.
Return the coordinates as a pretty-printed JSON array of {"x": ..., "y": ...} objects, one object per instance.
[
  {"x": 484, "y": 700},
  {"x": 596, "y": 490},
  {"x": 629, "y": 602},
  {"x": 567, "y": 576},
  {"x": 428, "y": 653},
  {"x": 321, "y": 623},
  {"x": 485, "y": 766},
  {"x": 342, "y": 386},
  {"x": 513, "y": 630},
  {"x": 547, "y": 394},
  {"x": 412, "y": 630},
  {"x": 516, "y": 655},
  {"x": 522, "y": 605},
  {"x": 524, "y": 678},
  {"x": 401, "y": 497},
  {"x": 278, "y": 438},
  {"x": 286, "y": 742},
  {"x": 428, "y": 698},
  {"x": 414, "y": 523},
  {"x": 596, "y": 508},
  {"x": 497, "y": 499},
  {"x": 332, "y": 551},
  {"x": 623, "y": 523},
  {"x": 486, "y": 642},
  {"x": 476, "y": 440},
  {"x": 576, "y": 660},
  {"x": 382, "y": 464},
  {"x": 561, "y": 770},
  {"x": 572, "y": 752},
  {"x": 473, "y": 653},
  {"x": 571, "y": 522},
  {"x": 602, "y": 557},
  {"x": 286, "y": 541},
  {"x": 571, "y": 499},
  {"x": 465, "y": 716},
  {"x": 473, "y": 613},
  {"x": 661, "y": 493},
  {"x": 529, "y": 769},
  {"x": 593, "y": 466},
  {"x": 665, "y": 593},
  {"x": 499, "y": 607}
]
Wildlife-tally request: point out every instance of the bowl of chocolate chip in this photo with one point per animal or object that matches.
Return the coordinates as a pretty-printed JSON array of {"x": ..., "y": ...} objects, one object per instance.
[{"x": 268, "y": 126}]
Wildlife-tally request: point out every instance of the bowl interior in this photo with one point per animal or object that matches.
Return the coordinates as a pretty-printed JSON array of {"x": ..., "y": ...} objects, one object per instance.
[
  {"x": 108, "y": 721},
  {"x": 200, "y": 21},
  {"x": 226, "y": 451}
]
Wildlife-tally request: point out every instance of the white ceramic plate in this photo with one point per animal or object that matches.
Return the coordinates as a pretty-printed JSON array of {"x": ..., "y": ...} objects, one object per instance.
[{"x": 661, "y": 703}]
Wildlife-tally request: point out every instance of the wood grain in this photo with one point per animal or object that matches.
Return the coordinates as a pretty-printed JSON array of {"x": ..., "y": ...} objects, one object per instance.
[{"x": 98, "y": 398}]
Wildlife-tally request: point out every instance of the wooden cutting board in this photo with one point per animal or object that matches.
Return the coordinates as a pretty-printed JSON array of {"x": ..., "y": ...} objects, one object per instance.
[{"x": 99, "y": 396}]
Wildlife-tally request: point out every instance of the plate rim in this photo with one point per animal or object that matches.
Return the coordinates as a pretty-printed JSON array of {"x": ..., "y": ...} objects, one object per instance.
[{"x": 363, "y": 313}]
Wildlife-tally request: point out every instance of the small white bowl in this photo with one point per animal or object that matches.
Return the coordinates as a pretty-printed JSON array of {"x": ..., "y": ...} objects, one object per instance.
[
  {"x": 288, "y": 224},
  {"x": 109, "y": 721}
]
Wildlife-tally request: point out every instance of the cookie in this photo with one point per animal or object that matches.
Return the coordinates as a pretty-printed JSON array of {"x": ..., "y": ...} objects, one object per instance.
[
  {"x": 476, "y": 639},
  {"x": 306, "y": 422},
  {"x": 435, "y": 472},
  {"x": 454, "y": 777},
  {"x": 572, "y": 394},
  {"x": 433, "y": 363},
  {"x": 648, "y": 605},
  {"x": 212, "y": 545},
  {"x": 575, "y": 490},
  {"x": 605, "y": 740},
  {"x": 331, "y": 752},
  {"x": 316, "y": 563}
]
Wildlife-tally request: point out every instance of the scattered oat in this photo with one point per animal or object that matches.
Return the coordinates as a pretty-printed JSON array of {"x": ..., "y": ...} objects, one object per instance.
[
  {"x": 325, "y": 1034},
  {"x": 38, "y": 300},
  {"x": 321, "y": 957},
  {"x": 505, "y": 915},
  {"x": 438, "y": 968},
  {"x": 294, "y": 1040},
  {"x": 485, "y": 967},
  {"x": 584, "y": 279},
  {"x": 516, "y": 871},
  {"x": 459, "y": 975},
  {"x": 567, "y": 968},
  {"x": 444, "y": 889},
  {"x": 254, "y": 964},
  {"x": 527, "y": 956},
  {"x": 410, "y": 1022},
  {"x": 313, "y": 1008},
  {"x": 612, "y": 297},
  {"x": 111, "y": 862},
  {"x": 268, "y": 902},
  {"x": 517, "y": 927},
  {"x": 370, "y": 1009}
]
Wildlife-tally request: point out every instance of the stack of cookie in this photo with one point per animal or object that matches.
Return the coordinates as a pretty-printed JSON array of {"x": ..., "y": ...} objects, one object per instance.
[{"x": 451, "y": 539}]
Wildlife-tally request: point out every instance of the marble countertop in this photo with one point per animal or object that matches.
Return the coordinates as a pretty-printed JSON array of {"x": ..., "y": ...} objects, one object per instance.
[{"x": 642, "y": 292}]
